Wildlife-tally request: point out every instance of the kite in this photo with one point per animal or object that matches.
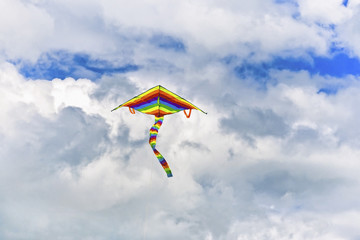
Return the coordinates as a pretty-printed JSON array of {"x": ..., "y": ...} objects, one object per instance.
[{"x": 159, "y": 101}]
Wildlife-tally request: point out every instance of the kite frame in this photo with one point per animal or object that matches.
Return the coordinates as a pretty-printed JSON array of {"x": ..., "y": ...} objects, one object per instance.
[{"x": 159, "y": 86}]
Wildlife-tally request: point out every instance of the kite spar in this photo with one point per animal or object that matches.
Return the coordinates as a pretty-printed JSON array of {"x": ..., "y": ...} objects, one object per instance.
[{"x": 159, "y": 101}]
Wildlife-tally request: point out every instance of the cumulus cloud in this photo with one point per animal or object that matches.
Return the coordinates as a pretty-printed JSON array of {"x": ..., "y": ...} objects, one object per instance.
[
  {"x": 105, "y": 28},
  {"x": 25, "y": 29},
  {"x": 348, "y": 33},
  {"x": 276, "y": 157},
  {"x": 261, "y": 123},
  {"x": 79, "y": 164},
  {"x": 324, "y": 12}
]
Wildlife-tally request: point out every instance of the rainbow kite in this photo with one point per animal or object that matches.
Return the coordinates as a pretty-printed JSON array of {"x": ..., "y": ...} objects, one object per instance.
[{"x": 159, "y": 101}]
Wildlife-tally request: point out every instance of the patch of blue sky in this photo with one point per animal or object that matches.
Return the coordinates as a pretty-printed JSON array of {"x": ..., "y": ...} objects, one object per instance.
[
  {"x": 168, "y": 43},
  {"x": 63, "y": 64},
  {"x": 345, "y": 2},
  {"x": 339, "y": 65},
  {"x": 256, "y": 71},
  {"x": 293, "y": 3},
  {"x": 330, "y": 90},
  {"x": 286, "y": 1}
]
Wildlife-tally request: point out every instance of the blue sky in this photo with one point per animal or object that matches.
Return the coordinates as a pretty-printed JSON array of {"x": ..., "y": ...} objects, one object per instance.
[
  {"x": 276, "y": 157},
  {"x": 62, "y": 64},
  {"x": 338, "y": 64}
]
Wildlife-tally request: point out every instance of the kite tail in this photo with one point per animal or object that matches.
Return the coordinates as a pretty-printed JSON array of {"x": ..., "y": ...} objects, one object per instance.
[{"x": 154, "y": 130}]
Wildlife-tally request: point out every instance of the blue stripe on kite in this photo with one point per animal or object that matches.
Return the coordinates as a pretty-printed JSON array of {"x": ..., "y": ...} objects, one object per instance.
[
  {"x": 148, "y": 106},
  {"x": 145, "y": 104},
  {"x": 171, "y": 104}
]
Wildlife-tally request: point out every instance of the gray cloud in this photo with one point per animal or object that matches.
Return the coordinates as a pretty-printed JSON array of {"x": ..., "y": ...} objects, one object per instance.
[
  {"x": 195, "y": 145},
  {"x": 255, "y": 122},
  {"x": 114, "y": 87},
  {"x": 279, "y": 182},
  {"x": 74, "y": 137}
]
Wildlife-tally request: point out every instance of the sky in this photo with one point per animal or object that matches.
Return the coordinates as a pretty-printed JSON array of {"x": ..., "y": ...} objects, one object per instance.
[{"x": 275, "y": 158}]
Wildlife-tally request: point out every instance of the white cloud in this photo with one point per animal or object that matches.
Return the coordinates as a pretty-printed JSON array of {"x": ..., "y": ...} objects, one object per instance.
[
  {"x": 275, "y": 226},
  {"x": 80, "y": 164},
  {"x": 24, "y": 29},
  {"x": 276, "y": 162},
  {"x": 348, "y": 31},
  {"x": 118, "y": 28},
  {"x": 223, "y": 29},
  {"x": 324, "y": 12}
]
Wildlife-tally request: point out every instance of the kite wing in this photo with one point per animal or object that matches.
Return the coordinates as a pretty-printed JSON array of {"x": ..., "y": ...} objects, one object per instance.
[{"x": 158, "y": 101}]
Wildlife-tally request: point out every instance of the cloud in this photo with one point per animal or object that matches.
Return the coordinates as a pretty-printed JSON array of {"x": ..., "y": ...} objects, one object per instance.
[
  {"x": 348, "y": 34},
  {"x": 324, "y": 12},
  {"x": 82, "y": 165},
  {"x": 195, "y": 145},
  {"x": 276, "y": 156},
  {"x": 168, "y": 42},
  {"x": 105, "y": 29},
  {"x": 255, "y": 122},
  {"x": 274, "y": 226},
  {"x": 24, "y": 36}
]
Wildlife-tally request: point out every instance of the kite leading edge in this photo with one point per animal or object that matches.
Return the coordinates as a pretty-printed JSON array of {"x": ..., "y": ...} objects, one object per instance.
[{"x": 159, "y": 101}]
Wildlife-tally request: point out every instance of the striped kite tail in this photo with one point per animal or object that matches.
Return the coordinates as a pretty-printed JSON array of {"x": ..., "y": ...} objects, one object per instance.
[{"x": 154, "y": 130}]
